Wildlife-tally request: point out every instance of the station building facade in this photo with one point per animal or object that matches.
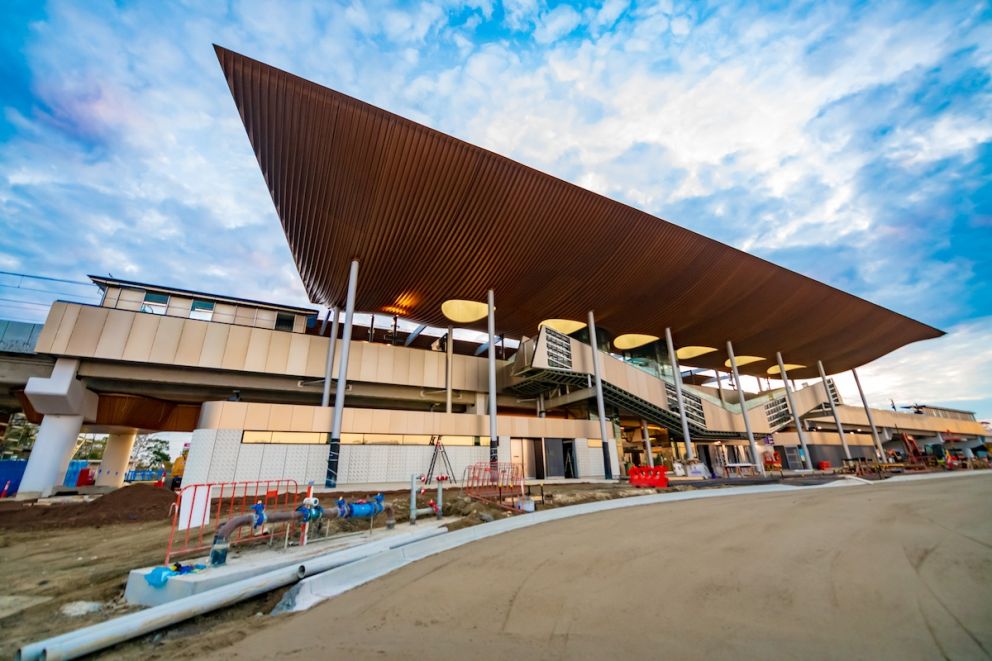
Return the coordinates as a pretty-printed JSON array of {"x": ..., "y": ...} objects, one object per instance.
[{"x": 630, "y": 334}]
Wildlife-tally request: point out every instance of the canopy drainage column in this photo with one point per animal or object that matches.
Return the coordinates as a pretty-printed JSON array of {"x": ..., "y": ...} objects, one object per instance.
[
  {"x": 331, "y": 481},
  {"x": 647, "y": 442},
  {"x": 740, "y": 395},
  {"x": 493, "y": 438},
  {"x": 807, "y": 459},
  {"x": 833, "y": 409},
  {"x": 871, "y": 420},
  {"x": 600, "y": 409},
  {"x": 449, "y": 350},
  {"x": 677, "y": 378},
  {"x": 325, "y": 398}
]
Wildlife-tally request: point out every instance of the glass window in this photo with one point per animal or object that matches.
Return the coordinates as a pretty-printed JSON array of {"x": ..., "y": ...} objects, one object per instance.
[
  {"x": 289, "y": 437},
  {"x": 203, "y": 310},
  {"x": 284, "y": 321},
  {"x": 155, "y": 303}
]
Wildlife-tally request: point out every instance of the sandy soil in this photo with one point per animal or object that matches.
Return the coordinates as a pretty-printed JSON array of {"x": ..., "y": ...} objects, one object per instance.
[
  {"x": 894, "y": 570},
  {"x": 54, "y": 555}
]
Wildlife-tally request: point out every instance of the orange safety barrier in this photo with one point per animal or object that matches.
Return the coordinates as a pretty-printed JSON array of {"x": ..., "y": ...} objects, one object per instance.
[
  {"x": 647, "y": 476},
  {"x": 499, "y": 483},
  {"x": 200, "y": 508}
]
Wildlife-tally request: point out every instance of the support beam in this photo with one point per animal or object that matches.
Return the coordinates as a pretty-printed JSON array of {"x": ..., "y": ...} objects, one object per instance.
[
  {"x": 332, "y": 342},
  {"x": 50, "y": 456},
  {"x": 449, "y": 352},
  {"x": 493, "y": 438},
  {"x": 871, "y": 421},
  {"x": 755, "y": 455},
  {"x": 65, "y": 403},
  {"x": 415, "y": 334},
  {"x": 331, "y": 479},
  {"x": 647, "y": 442},
  {"x": 600, "y": 409},
  {"x": 833, "y": 409},
  {"x": 677, "y": 378},
  {"x": 807, "y": 459},
  {"x": 719, "y": 386},
  {"x": 323, "y": 325},
  {"x": 113, "y": 464}
]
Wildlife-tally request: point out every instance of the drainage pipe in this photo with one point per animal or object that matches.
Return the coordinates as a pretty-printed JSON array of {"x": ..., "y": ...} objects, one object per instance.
[{"x": 98, "y": 636}]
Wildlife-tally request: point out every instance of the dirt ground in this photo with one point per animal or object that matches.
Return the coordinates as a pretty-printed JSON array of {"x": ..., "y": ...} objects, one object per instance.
[
  {"x": 890, "y": 570},
  {"x": 52, "y": 556}
]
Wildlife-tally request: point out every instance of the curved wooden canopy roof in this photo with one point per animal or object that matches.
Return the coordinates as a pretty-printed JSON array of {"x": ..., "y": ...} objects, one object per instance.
[{"x": 432, "y": 218}]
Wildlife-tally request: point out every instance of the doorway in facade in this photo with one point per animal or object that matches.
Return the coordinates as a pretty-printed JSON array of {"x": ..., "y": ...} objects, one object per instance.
[{"x": 529, "y": 453}]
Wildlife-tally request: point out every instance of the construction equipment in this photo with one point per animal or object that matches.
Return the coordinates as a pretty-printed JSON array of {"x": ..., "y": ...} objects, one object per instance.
[{"x": 439, "y": 453}]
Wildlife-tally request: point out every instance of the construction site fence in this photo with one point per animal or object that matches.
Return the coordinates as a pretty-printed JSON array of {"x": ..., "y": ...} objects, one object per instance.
[
  {"x": 501, "y": 483},
  {"x": 200, "y": 508}
]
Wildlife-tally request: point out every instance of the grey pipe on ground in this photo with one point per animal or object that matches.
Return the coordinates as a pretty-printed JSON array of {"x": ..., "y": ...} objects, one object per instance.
[{"x": 104, "y": 634}]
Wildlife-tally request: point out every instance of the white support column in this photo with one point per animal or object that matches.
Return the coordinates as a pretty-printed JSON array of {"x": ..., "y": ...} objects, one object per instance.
[
  {"x": 325, "y": 398},
  {"x": 808, "y": 460},
  {"x": 833, "y": 410},
  {"x": 493, "y": 438},
  {"x": 449, "y": 350},
  {"x": 871, "y": 421},
  {"x": 677, "y": 378},
  {"x": 647, "y": 442},
  {"x": 331, "y": 480},
  {"x": 113, "y": 464},
  {"x": 600, "y": 408},
  {"x": 755, "y": 455},
  {"x": 50, "y": 456},
  {"x": 66, "y": 404}
]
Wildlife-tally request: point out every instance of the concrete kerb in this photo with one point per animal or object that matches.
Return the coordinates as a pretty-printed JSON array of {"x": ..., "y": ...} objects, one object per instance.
[{"x": 311, "y": 591}]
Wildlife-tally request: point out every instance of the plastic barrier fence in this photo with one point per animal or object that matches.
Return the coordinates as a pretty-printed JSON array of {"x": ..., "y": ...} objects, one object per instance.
[
  {"x": 498, "y": 483},
  {"x": 199, "y": 508},
  {"x": 646, "y": 476}
]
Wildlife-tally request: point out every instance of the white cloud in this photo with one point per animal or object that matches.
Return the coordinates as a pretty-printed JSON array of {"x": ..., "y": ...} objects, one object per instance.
[
  {"x": 556, "y": 24},
  {"x": 520, "y": 14}
]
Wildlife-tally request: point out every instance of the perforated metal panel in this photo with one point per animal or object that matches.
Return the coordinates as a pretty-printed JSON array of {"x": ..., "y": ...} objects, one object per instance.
[
  {"x": 295, "y": 467},
  {"x": 249, "y": 462},
  {"x": 224, "y": 462},
  {"x": 317, "y": 463},
  {"x": 273, "y": 461},
  {"x": 201, "y": 449}
]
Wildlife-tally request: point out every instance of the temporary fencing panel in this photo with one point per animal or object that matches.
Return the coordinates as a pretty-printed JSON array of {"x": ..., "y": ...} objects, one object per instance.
[
  {"x": 197, "y": 504},
  {"x": 645, "y": 476},
  {"x": 500, "y": 483}
]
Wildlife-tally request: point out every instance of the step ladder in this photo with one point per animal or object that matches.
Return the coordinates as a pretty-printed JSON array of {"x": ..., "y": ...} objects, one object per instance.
[{"x": 440, "y": 452}]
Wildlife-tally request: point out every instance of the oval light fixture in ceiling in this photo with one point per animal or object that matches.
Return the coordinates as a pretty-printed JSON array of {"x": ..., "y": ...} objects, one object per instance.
[
  {"x": 788, "y": 366},
  {"x": 464, "y": 312},
  {"x": 563, "y": 326},
  {"x": 633, "y": 340},
  {"x": 745, "y": 360},
  {"x": 685, "y": 353}
]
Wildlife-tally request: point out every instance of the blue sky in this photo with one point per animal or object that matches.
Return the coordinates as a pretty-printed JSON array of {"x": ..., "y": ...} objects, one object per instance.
[{"x": 850, "y": 142}]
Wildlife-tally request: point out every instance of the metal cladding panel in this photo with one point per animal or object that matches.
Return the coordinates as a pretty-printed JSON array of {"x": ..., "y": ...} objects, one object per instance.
[{"x": 432, "y": 218}]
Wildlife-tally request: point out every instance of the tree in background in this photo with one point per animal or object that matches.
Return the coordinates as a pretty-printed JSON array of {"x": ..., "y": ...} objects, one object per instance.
[
  {"x": 150, "y": 453},
  {"x": 90, "y": 446},
  {"x": 19, "y": 439}
]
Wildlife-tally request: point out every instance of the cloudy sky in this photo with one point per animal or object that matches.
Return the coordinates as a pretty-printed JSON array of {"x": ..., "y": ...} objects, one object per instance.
[{"x": 850, "y": 142}]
